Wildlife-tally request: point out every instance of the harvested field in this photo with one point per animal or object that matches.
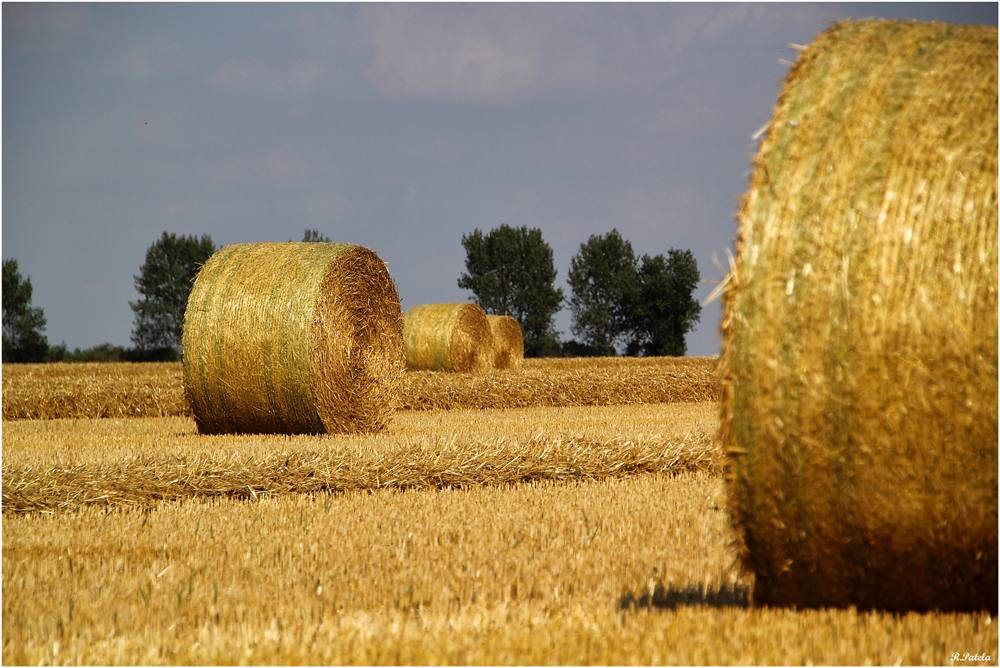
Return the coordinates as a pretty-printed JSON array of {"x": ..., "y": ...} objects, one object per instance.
[
  {"x": 591, "y": 381},
  {"x": 66, "y": 464},
  {"x": 524, "y": 536},
  {"x": 50, "y": 391},
  {"x": 93, "y": 390},
  {"x": 624, "y": 571}
]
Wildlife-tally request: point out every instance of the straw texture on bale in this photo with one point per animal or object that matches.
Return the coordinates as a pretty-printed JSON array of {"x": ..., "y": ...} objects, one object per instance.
[
  {"x": 508, "y": 342},
  {"x": 858, "y": 371},
  {"x": 447, "y": 337},
  {"x": 293, "y": 338}
]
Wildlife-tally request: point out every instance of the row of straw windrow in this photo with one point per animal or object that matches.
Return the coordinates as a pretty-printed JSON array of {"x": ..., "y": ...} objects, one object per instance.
[
  {"x": 568, "y": 382},
  {"x": 146, "y": 462},
  {"x": 93, "y": 390},
  {"x": 124, "y": 389}
]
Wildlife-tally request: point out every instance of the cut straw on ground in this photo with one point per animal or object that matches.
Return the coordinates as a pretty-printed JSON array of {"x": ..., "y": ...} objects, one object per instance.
[
  {"x": 143, "y": 481},
  {"x": 52, "y": 466}
]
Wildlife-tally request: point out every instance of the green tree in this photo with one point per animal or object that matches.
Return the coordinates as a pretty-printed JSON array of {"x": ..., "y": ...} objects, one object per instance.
[
  {"x": 314, "y": 235},
  {"x": 23, "y": 340},
  {"x": 663, "y": 309},
  {"x": 511, "y": 272},
  {"x": 602, "y": 276},
  {"x": 164, "y": 282}
]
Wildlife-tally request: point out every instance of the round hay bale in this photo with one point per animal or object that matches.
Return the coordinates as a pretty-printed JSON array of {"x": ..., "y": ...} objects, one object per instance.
[
  {"x": 293, "y": 338},
  {"x": 858, "y": 367},
  {"x": 449, "y": 337},
  {"x": 508, "y": 342}
]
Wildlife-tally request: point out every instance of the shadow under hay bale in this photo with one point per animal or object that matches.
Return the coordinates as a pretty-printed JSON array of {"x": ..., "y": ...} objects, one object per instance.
[
  {"x": 508, "y": 342},
  {"x": 671, "y": 597},
  {"x": 293, "y": 338},
  {"x": 859, "y": 358},
  {"x": 447, "y": 337}
]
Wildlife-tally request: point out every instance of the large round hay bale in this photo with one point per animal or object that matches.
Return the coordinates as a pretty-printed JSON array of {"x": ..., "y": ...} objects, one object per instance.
[
  {"x": 293, "y": 338},
  {"x": 448, "y": 337},
  {"x": 508, "y": 342},
  {"x": 859, "y": 357}
]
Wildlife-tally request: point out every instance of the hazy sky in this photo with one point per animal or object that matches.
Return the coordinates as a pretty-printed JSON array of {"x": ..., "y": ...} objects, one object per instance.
[{"x": 399, "y": 127}]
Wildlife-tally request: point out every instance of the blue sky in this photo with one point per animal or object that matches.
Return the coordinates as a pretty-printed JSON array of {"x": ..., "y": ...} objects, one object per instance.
[{"x": 399, "y": 127}]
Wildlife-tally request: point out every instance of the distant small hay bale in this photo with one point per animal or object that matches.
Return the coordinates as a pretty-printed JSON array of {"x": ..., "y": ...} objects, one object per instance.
[
  {"x": 448, "y": 337},
  {"x": 293, "y": 338},
  {"x": 508, "y": 342},
  {"x": 858, "y": 371}
]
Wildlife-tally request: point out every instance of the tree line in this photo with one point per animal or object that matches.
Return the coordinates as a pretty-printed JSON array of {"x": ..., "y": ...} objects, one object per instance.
[
  {"x": 643, "y": 304},
  {"x": 164, "y": 283}
]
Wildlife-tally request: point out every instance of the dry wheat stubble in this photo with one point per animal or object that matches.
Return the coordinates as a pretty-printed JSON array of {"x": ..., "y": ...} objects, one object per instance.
[
  {"x": 531, "y": 573},
  {"x": 527, "y": 574}
]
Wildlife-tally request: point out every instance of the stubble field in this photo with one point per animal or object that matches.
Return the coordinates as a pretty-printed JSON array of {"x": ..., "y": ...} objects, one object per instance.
[{"x": 587, "y": 528}]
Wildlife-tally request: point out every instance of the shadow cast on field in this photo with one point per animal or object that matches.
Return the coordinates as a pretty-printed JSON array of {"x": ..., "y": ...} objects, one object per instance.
[{"x": 670, "y": 597}]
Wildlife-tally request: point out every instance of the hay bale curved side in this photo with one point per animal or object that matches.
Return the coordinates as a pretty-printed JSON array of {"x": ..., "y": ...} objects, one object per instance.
[
  {"x": 508, "y": 342},
  {"x": 858, "y": 374},
  {"x": 293, "y": 338},
  {"x": 448, "y": 337}
]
